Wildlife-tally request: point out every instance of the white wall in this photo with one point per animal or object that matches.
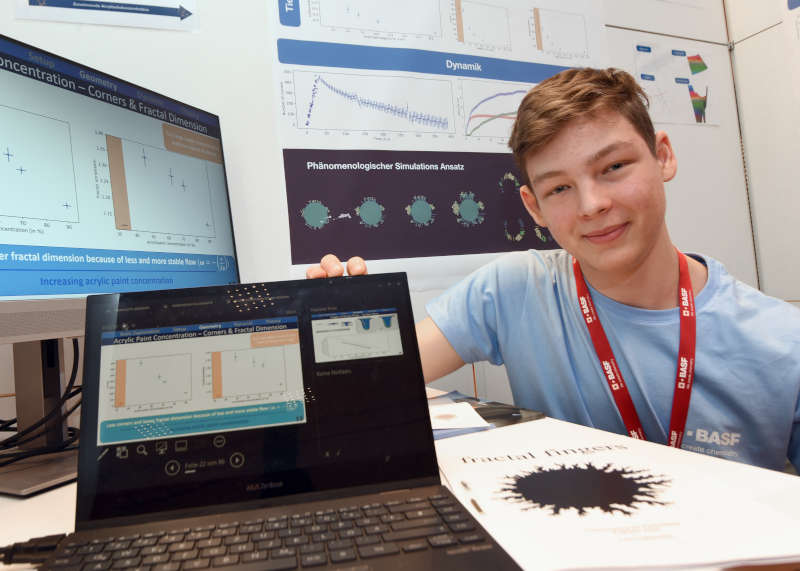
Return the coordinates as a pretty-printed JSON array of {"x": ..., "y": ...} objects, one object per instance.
[
  {"x": 692, "y": 19},
  {"x": 767, "y": 71}
]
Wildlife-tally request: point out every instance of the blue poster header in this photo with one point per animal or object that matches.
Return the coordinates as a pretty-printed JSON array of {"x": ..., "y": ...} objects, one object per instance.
[
  {"x": 325, "y": 54},
  {"x": 289, "y": 12}
]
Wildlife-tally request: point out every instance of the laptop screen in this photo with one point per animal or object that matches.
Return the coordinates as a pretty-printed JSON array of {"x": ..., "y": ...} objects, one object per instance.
[{"x": 272, "y": 392}]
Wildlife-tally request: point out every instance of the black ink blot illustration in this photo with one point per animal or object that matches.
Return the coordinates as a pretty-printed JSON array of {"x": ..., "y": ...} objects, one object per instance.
[{"x": 585, "y": 487}]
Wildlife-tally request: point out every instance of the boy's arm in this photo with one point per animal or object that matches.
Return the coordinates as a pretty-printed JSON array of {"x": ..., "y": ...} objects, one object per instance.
[{"x": 437, "y": 355}]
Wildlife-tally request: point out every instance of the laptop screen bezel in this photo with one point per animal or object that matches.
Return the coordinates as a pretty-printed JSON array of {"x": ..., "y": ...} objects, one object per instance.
[{"x": 101, "y": 316}]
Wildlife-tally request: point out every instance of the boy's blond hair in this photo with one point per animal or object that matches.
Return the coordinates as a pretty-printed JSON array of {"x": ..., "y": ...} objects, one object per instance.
[{"x": 575, "y": 94}]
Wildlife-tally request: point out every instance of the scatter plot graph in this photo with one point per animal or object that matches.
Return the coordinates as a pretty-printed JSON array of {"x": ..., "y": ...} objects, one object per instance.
[
  {"x": 415, "y": 17},
  {"x": 37, "y": 177},
  {"x": 253, "y": 374},
  {"x": 351, "y": 102},
  {"x": 482, "y": 25},
  {"x": 561, "y": 34},
  {"x": 171, "y": 191},
  {"x": 490, "y": 107},
  {"x": 152, "y": 382},
  {"x": 362, "y": 337}
]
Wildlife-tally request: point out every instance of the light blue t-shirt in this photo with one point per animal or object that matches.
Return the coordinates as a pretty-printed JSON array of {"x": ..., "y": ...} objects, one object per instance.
[{"x": 522, "y": 311}]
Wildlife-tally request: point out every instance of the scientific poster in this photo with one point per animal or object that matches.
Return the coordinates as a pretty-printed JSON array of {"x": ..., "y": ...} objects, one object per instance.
[{"x": 394, "y": 120}]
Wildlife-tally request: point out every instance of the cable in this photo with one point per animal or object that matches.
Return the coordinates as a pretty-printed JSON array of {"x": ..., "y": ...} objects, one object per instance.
[
  {"x": 35, "y": 430},
  {"x": 13, "y": 440},
  {"x": 33, "y": 437},
  {"x": 32, "y": 551},
  {"x": 11, "y": 457}
]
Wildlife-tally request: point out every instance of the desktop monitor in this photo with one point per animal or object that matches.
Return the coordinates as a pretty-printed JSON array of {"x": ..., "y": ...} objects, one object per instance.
[{"x": 105, "y": 186}]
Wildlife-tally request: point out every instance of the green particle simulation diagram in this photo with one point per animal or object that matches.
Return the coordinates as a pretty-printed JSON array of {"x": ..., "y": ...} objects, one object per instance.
[
  {"x": 385, "y": 213},
  {"x": 467, "y": 210}
]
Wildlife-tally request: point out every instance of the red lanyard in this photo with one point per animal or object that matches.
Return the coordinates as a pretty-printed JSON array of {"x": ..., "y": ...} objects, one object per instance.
[{"x": 684, "y": 375}]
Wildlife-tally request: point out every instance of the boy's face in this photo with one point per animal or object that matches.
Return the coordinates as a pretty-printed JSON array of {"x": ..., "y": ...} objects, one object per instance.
[{"x": 600, "y": 191}]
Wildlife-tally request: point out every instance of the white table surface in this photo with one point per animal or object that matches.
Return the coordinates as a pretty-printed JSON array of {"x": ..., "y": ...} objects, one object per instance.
[{"x": 44, "y": 514}]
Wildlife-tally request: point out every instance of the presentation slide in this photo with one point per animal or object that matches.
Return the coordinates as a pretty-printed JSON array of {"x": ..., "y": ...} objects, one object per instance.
[
  {"x": 195, "y": 379},
  {"x": 106, "y": 186}
]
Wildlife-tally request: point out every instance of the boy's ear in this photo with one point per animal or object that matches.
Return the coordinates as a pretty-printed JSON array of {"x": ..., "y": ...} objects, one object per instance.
[
  {"x": 666, "y": 156},
  {"x": 532, "y": 205}
]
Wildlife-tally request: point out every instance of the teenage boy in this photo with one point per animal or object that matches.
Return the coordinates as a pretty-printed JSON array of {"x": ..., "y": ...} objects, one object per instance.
[{"x": 618, "y": 330}]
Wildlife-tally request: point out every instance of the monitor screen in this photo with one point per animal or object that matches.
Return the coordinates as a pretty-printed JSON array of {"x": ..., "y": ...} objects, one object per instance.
[{"x": 106, "y": 186}]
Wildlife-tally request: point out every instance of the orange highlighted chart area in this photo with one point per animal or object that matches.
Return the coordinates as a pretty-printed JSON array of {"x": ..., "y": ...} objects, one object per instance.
[
  {"x": 148, "y": 381},
  {"x": 200, "y": 378},
  {"x": 165, "y": 189},
  {"x": 482, "y": 25},
  {"x": 560, "y": 33}
]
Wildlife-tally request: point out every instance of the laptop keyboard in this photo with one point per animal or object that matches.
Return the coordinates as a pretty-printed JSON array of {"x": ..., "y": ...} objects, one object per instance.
[{"x": 306, "y": 539}]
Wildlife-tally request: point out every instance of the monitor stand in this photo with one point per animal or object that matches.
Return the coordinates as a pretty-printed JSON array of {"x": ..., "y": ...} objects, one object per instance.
[
  {"x": 38, "y": 375},
  {"x": 39, "y": 473}
]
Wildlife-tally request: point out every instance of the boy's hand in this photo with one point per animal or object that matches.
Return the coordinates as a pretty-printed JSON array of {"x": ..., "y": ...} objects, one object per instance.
[{"x": 331, "y": 267}]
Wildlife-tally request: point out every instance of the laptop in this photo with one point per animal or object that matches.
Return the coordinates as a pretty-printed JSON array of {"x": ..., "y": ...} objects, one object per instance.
[{"x": 262, "y": 426}]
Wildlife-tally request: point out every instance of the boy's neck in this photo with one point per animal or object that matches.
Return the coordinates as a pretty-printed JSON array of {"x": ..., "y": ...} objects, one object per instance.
[{"x": 652, "y": 284}]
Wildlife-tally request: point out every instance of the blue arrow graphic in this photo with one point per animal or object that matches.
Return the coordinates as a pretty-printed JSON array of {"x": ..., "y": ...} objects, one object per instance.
[{"x": 179, "y": 12}]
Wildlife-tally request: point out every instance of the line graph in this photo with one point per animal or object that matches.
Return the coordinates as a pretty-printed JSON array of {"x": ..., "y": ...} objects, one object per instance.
[
  {"x": 37, "y": 176},
  {"x": 351, "y": 102},
  {"x": 490, "y": 107},
  {"x": 417, "y": 17}
]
